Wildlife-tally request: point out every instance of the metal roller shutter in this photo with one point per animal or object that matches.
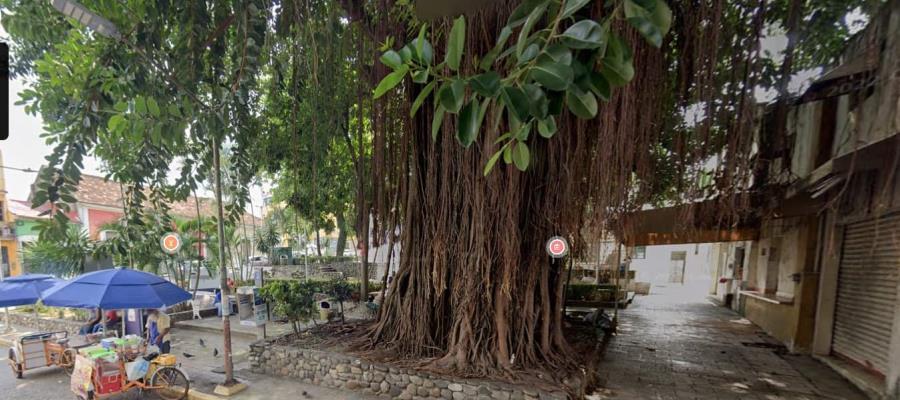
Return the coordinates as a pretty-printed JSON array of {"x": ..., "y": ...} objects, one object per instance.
[{"x": 867, "y": 291}]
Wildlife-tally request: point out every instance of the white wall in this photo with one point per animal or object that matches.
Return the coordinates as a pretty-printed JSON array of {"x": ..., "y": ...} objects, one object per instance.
[{"x": 657, "y": 264}]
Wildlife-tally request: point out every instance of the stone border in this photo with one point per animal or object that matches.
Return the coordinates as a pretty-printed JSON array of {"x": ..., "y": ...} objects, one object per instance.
[
  {"x": 43, "y": 324},
  {"x": 347, "y": 372}
]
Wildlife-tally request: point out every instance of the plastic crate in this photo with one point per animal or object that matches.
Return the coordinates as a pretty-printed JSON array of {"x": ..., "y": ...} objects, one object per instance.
[{"x": 109, "y": 384}]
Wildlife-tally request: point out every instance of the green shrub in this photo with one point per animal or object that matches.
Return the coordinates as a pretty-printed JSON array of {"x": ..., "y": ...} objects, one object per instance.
[{"x": 293, "y": 299}]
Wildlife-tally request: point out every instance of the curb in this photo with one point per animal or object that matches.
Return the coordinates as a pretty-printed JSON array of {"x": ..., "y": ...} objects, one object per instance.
[
  {"x": 215, "y": 330},
  {"x": 197, "y": 395}
]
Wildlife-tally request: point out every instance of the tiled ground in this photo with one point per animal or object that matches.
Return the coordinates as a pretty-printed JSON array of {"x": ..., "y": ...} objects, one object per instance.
[{"x": 674, "y": 344}]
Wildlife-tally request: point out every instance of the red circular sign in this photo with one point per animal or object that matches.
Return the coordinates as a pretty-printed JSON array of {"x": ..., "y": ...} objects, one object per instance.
[{"x": 557, "y": 247}]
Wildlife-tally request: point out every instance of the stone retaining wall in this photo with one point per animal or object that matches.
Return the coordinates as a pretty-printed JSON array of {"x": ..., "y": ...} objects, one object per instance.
[
  {"x": 342, "y": 371},
  {"x": 44, "y": 324},
  {"x": 346, "y": 268}
]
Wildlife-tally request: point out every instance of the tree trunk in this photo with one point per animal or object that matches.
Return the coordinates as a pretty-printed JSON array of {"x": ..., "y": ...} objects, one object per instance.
[
  {"x": 342, "y": 235},
  {"x": 200, "y": 239},
  {"x": 223, "y": 270},
  {"x": 318, "y": 242}
]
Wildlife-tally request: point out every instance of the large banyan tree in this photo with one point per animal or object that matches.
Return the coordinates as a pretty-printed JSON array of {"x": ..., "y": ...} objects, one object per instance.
[
  {"x": 596, "y": 108},
  {"x": 476, "y": 137}
]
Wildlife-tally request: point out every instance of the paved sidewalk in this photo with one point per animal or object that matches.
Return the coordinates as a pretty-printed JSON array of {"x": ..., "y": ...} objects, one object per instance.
[{"x": 674, "y": 345}]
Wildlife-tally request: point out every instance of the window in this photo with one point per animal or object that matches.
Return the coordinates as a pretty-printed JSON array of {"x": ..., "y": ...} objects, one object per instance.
[
  {"x": 640, "y": 252},
  {"x": 108, "y": 234},
  {"x": 2, "y": 214}
]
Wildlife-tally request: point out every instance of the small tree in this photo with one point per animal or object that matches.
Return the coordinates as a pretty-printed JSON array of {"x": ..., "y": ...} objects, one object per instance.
[
  {"x": 340, "y": 290},
  {"x": 294, "y": 299}
]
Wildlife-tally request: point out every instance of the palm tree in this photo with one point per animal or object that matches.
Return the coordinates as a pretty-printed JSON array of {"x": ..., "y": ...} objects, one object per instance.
[{"x": 63, "y": 256}]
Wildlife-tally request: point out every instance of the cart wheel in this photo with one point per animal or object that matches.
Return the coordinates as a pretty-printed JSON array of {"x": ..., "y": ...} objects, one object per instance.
[
  {"x": 170, "y": 383},
  {"x": 67, "y": 361},
  {"x": 16, "y": 368}
]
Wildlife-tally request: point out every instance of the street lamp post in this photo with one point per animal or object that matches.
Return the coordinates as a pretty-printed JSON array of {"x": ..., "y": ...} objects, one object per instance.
[{"x": 96, "y": 23}]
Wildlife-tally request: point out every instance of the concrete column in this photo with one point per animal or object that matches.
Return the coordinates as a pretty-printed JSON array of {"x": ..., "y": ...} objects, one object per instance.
[{"x": 830, "y": 260}]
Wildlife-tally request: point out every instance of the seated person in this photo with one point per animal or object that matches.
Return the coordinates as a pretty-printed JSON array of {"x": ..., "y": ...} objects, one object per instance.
[
  {"x": 113, "y": 321},
  {"x": 92, "y": 323}
]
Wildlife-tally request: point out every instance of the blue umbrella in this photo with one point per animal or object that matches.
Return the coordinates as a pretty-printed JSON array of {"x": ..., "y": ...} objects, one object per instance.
[
  {"x": 25, "y": 289},
  {"x": 116, "y": 289}
]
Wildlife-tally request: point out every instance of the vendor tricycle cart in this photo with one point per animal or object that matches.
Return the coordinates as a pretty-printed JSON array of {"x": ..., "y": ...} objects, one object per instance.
[
  {"x": 99, "y": 378},
  {"x": 41, "y": 350}
]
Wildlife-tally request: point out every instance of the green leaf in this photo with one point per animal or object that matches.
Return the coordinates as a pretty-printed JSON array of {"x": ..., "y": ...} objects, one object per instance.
[
  {"x": 617, "y": 67},
  {"x": 420, "y": 76},
  {"x": 521, "y": 156},
  {"x": 153, "y": 107},
  {"x": 426, "y": 91},
  {"x": 521, "y": 13},
  {"x": 456, "y": 43},
  {"x": 140, "y": 105},
  {"x": 486, "y": 84},
  {"x": 661, "y": 16},
  {"x": 406, "y": 54},
  {"x": 491, "y": 56},
  {"x": 424, "y": 53},
  {"x": 419, "y": 42},
  {"x": 516, "y": 101},
  {"x": 390, "y": 81},
  {"x": 493, "y": 160},
  {"x": 115, "y": 122},
  {"x": 547, "y": 127},
  {"x": 468, "y": 124},
  {"x": 551, "y": 74},
  {"x": 452, "y": 95},
  {"x": 529, "y": 53},
  {"x": 639, "y": 18},
  {"x": 559, "y": 53},
  {"x": 572, "y": 6},
  {"x": 437, "y": 122},
  {"x": 174, "y": 110},
  {"x": 392, "y": 59},
  {"x": 523, "y": 131},
  {"x": 532, "y": 19},
  {"x": 507, "y": 154},
  {"x": 600, "y": 86},
  {"x": 539, "y": 105},
  {"x": 584, "y": 34},
  {"x": 120, "y": 106},
  {"x": 581, "y": 103}
]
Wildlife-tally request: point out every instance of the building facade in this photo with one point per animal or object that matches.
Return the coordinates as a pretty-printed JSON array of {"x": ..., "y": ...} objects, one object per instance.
[{"x": 9, "y": 257}]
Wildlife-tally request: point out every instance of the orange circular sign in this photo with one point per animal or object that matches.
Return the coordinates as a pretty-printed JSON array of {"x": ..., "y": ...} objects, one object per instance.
[{"x": 170, "y": 243}]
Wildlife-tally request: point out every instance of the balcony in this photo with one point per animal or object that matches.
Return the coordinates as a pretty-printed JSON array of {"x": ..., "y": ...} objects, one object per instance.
[{"x": 7, "y": 231}]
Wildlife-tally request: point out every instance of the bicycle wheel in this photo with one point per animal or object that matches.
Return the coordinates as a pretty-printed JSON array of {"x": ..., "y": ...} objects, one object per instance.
[
  {"x": 67, "y": 361},
  {"x": 170, "y": 383}
]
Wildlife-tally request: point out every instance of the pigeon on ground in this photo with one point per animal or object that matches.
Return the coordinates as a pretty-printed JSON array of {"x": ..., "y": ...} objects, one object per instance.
[
  {"x": 202, "y": 343},
  {"x": 215, "y": 352},
  {"x": 187, "y": 355}
]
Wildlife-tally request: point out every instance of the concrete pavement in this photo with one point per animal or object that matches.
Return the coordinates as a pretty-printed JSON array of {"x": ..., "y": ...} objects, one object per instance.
[{"x": 674, "y": 344}]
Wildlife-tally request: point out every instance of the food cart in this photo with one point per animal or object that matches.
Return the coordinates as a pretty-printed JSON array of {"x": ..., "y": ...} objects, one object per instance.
[
  {"x": 100, "y": 372},
  {"x": 41, "y": 350}
]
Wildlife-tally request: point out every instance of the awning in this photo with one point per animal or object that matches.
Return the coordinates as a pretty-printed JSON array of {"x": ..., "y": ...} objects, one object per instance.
[{"x": 689, "y": 223}]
